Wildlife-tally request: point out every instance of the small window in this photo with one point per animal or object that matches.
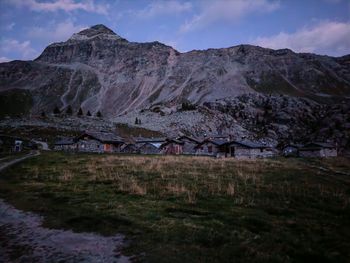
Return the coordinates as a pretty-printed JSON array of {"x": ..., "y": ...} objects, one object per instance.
[
  {"x": 210, "y": 149},
  {"x": 261, "y": 150}
]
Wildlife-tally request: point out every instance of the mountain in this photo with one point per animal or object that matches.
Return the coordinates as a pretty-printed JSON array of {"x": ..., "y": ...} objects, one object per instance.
[{"x": 100, "y": 71}]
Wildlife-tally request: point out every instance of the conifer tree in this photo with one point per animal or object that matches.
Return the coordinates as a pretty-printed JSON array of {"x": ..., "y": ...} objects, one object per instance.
[
  {"x": 69, "y": 110},
  {"x": 56, "y": 111},
  {"x": 80, "y": 112}
]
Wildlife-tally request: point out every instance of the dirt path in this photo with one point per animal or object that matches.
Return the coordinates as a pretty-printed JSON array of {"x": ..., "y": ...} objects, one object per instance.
[
  {"x": 331, "y": 173},
  {"x": 23, "y": 239},
  {"x": 4, "y": 165}
]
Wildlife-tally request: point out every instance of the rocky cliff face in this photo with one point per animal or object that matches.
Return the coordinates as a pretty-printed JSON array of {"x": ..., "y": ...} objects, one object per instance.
[
  {"x": 100, "y": 71},
  {"x": 287, "y": 119}
]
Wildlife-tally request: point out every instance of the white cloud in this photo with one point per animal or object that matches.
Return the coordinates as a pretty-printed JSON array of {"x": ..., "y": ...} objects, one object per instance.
[
  {"x": 53, "y": 33},
  {"x": 227, "y": 10},
  {"x": 64, "y": 5},
  {"x": 24, "y": 49},
  {"x": 325, "y": 38},
  {"x": 157, "y": 8},
  {"x": 4, "y": 59}
]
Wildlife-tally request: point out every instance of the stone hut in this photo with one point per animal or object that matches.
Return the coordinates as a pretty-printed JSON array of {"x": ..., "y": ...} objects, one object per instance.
[
  {"x": 149, "y": 145},
  {"x": 172, "y": 146},
  {"x": 211, "y": 147},
  {"x": 246, "y": 149},
  {"x": 18, "y": 147},
  {"x": 65, "y": 144},
  {"x": 148, "y": 148},
  {"x": 13, "y": 143},
  {"x": 128, "y": 148},
  {"x": 291, "y": 150},
  {"x": 190, "y": 144},
  {"x": 318, "y": 149},
  {"x": 100, "y": 142}
]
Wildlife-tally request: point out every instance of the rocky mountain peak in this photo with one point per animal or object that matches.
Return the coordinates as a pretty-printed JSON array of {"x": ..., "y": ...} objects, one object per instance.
[{"x": 94, "y": 31}]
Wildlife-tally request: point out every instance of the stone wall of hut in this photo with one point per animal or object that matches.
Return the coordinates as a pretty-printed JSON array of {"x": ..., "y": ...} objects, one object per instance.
[
  {"x": 67, "y": 148},
  {"x": 209, "y": 149},
  {"x": 130, "y": 148},
  {"x": 148, "y": 148},
  {"x": 189, "y": 146},
  {"x": 90, "y": 145},
  {"x": 252, "y": 153},
  {"x": 172, "y": 148},
  {"x": 318, "y": 153}
]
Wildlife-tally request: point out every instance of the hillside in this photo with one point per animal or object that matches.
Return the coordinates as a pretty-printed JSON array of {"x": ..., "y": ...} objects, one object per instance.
[{"x": 98, "y": 70}]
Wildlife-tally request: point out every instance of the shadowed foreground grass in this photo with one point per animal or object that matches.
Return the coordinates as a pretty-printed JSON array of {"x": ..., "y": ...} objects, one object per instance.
[{"x": 192, "y": 209}]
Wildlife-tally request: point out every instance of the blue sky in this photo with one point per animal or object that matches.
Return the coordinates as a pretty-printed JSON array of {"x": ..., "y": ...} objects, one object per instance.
[{"x": 318, "y": 26}]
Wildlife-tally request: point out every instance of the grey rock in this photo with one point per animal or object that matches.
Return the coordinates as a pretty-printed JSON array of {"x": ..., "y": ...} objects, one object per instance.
[{"x": 100, "y": 71}]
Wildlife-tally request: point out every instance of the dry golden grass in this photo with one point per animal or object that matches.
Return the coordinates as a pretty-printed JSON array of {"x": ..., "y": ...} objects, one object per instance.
[
  {"x": 189, "y": 177},
  {"x": 230, "y": 189},
  {"x": 66, "y": 175},
  {"x": 176, "y": 189},
  {"x": 176, "y": 175},
  {"x": 136, "y": 188}
]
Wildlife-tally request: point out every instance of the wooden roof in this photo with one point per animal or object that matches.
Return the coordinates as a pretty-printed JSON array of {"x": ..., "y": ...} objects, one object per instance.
[
  {"x": 316, "y": 146},
  {"x": 150, "y": 140},
  {"x": 104, "y": 137},
  {"x": 216, "y": 142},
  {"x": 168, "y": 141},
  {"x": 196, "y": 140},
  {"x": 248, "y": 144},
  {"x": 319, "y": 145}
]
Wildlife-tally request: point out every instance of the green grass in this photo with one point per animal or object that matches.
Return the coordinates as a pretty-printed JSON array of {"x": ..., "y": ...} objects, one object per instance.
[{"x": 191, "y": 209}]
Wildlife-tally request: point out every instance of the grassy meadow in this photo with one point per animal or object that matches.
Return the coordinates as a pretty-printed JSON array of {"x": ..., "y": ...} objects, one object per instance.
[{"x": 193, "y": 209}]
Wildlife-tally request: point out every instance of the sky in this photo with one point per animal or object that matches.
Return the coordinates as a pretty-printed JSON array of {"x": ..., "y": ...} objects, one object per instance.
[{"x": 317, "y": 26}]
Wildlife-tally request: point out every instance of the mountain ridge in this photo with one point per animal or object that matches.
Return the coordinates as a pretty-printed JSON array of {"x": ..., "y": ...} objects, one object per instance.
[{"x": 98, "y": 70}]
